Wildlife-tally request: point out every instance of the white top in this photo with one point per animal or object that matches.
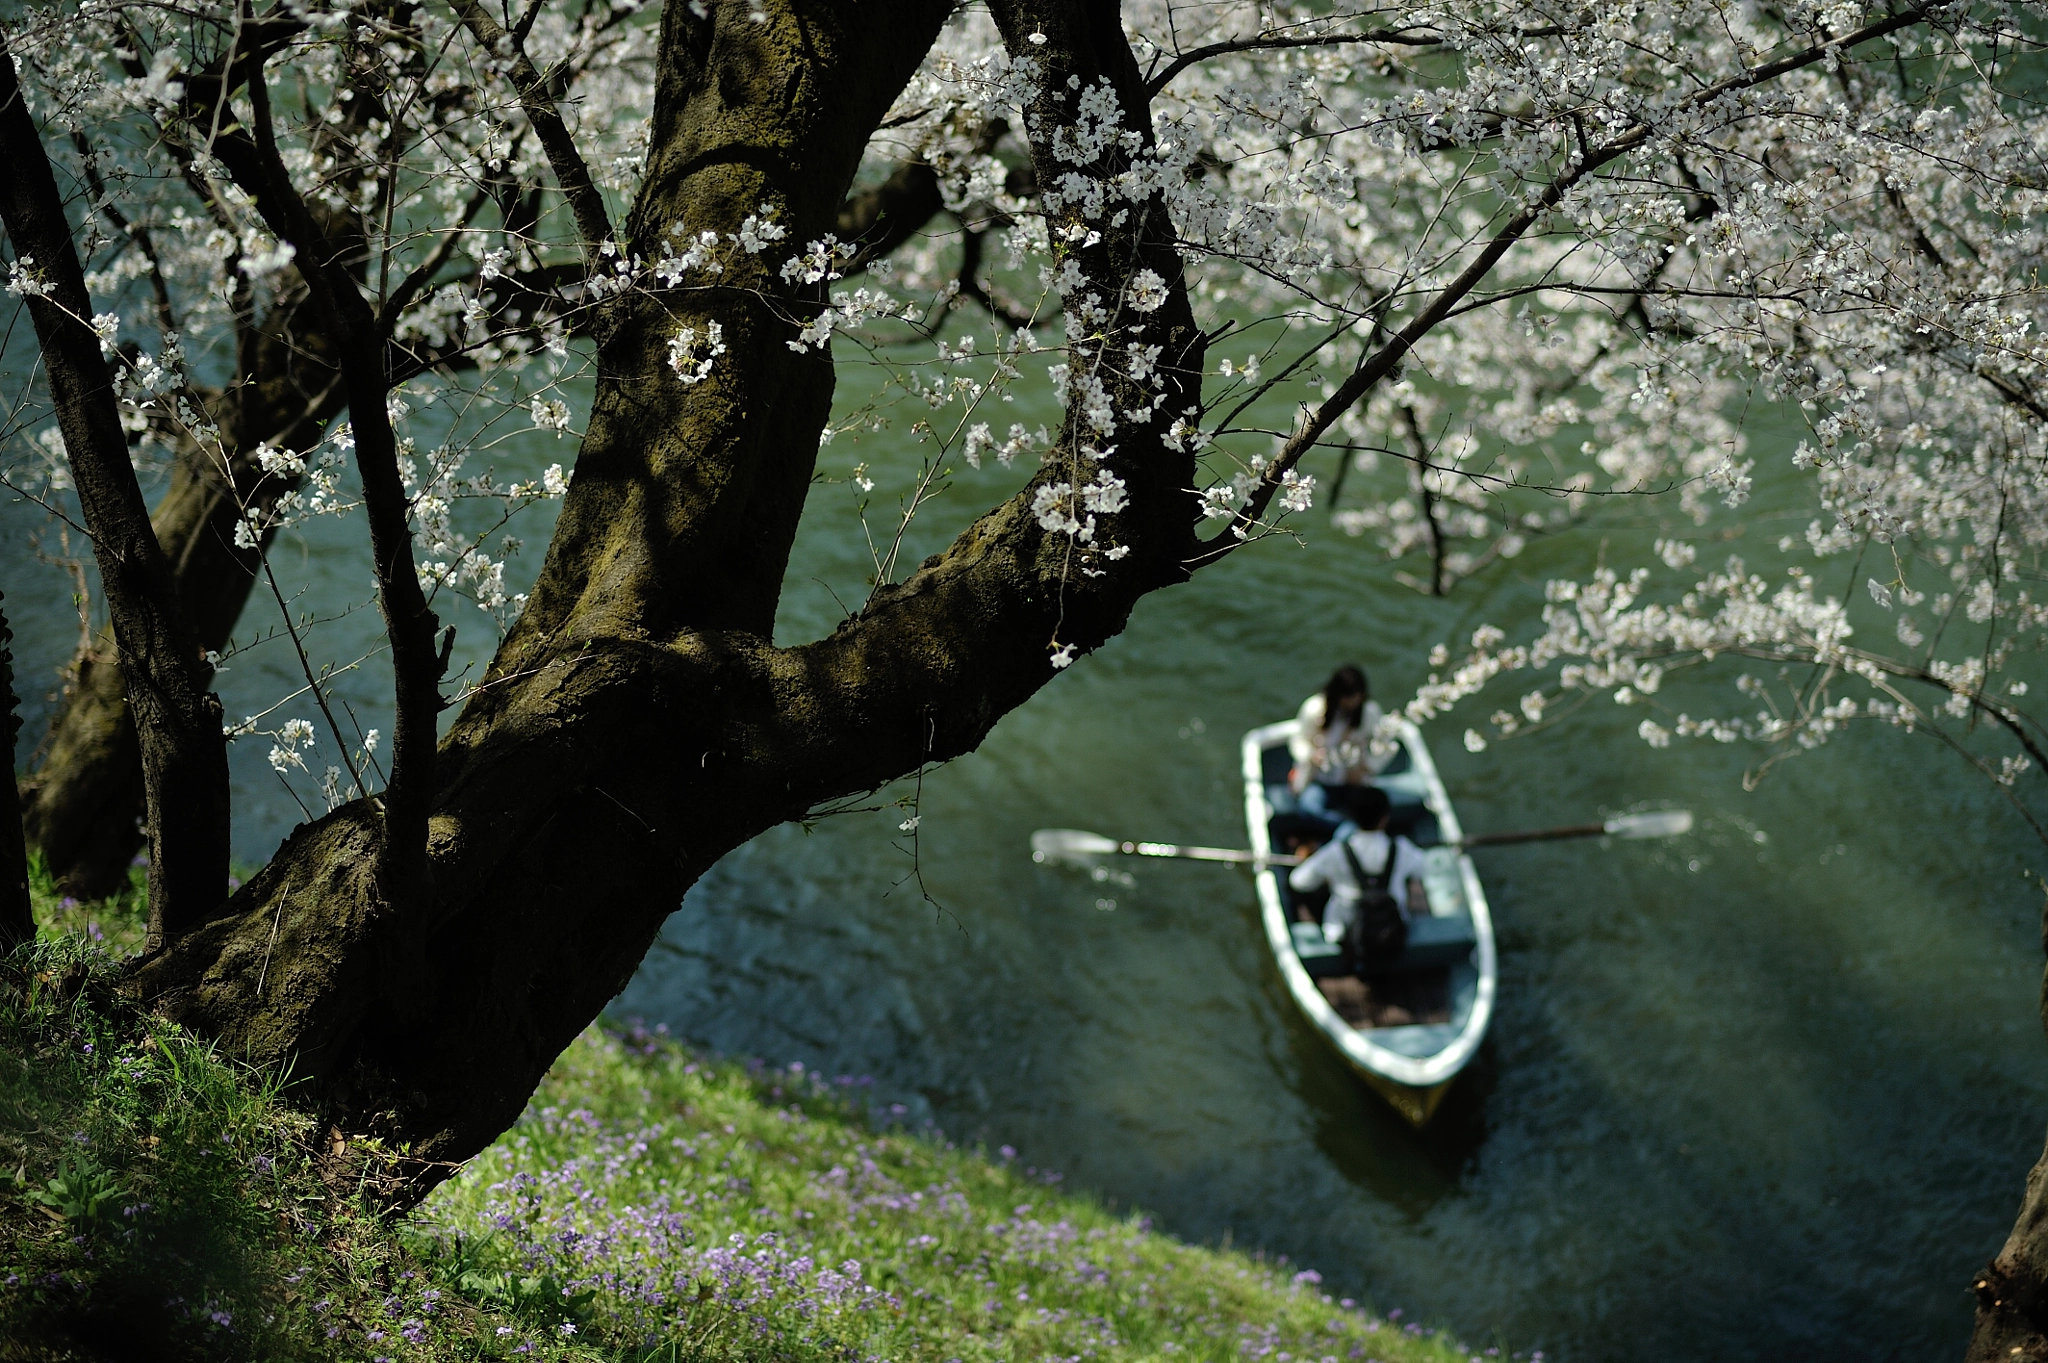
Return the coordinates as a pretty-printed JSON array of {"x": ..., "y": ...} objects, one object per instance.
[
  {"x": 1337, "y": 756},
  {"x": 1328, "y": 867}
]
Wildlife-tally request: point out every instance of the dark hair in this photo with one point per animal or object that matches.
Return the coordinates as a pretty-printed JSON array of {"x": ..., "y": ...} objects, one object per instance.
[
  {"x": 1348, "y": 680},
  {"x": 1290, "y": 831},
  {"x": 1367, "y": 806}
]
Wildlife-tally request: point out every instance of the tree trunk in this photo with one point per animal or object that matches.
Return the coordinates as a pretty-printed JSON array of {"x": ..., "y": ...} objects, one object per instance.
[
  {"x": 83, "y": 806},
  {"x": 178, "y": 722},
  {"x": 2012, "y": 1290},
  {"x": 17, "y": 919},
  {"x": 637, "y": 723}
]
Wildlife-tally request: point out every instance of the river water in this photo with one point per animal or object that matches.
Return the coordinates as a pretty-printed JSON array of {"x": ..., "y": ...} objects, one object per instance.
[{"x": 1767, "y": 1091}]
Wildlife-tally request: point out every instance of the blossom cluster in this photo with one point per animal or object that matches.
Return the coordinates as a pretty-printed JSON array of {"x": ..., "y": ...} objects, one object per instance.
[{"x": 1469, "y": 276}]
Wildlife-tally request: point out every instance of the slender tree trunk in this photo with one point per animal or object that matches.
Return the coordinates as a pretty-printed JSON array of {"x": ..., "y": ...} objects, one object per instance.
[
  {"x": 17, "y": 919},
  {"x": 83, "y": 806},
  {"x": 178, "y": 720}
]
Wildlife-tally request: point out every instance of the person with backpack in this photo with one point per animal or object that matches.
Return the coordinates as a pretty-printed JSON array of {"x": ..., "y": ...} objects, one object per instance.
[{"x": 1375, "y": 881}]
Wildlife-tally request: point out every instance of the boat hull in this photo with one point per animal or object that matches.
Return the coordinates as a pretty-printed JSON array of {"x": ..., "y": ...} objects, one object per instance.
[
  {"x": 1417, "y": 1105},
  {"x": 1411, "y": 1066}
]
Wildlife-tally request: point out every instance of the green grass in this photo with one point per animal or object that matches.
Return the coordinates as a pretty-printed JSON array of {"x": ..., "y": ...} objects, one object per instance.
[
  {"x": 159, "y": 1200},
  {"x": 115, "y": 924},
  {"x": 744, "y": 1212}
]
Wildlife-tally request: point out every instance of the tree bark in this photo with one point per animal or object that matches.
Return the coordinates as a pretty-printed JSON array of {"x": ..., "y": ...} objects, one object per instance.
[
  {"x": 17, "y": 918},
  {"x": 2012, "y": 1290},
  {"x": 185, "y": 776},
  {"x": 637, "y": 722},
  {"x": 83, "y": 806}
]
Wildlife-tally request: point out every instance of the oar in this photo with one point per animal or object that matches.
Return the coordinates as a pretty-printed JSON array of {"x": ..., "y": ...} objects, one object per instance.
[
  {"x": 1656, "y": 823},
  {"x": 1076, "y": 846}
]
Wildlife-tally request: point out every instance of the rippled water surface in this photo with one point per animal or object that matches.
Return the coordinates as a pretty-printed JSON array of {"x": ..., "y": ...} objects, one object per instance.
[{"x": 1768, "y": 1091}]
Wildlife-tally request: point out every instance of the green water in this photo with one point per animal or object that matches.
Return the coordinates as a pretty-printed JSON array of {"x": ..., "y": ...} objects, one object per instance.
[{"x": 1767, "y": 1091}]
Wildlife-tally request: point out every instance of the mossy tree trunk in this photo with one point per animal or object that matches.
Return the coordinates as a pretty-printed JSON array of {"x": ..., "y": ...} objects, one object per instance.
[
  {"x": 637, "y": 723},
  {"x": 83, "y": 803}
]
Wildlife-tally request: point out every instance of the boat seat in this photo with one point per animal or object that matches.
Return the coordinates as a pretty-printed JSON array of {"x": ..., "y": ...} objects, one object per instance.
[{"x": 1320, "y": 957}]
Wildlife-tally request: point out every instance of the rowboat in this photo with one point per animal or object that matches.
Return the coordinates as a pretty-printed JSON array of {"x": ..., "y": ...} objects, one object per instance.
[{"x": 1409, "y": 1026}]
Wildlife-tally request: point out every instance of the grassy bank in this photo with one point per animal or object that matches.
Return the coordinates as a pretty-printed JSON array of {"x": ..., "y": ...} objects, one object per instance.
[{"x": 649, "y": 1204}]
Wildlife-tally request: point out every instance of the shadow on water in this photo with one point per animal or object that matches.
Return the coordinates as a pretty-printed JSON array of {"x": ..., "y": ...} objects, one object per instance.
[{"x": 1363, "y": 1139}]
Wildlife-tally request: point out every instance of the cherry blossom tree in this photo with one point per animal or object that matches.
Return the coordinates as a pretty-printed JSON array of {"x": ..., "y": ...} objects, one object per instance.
[{"x": 1495, "y": 265}]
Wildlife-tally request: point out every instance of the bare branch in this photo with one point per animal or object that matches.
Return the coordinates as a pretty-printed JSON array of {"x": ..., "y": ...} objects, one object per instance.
[
  {"x": 1266, "y": 42},
  {"x": 585, "y": 201}
]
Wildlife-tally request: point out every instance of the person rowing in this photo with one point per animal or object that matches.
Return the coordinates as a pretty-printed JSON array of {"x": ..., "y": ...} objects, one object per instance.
[{"x": 1375, "y": 879}]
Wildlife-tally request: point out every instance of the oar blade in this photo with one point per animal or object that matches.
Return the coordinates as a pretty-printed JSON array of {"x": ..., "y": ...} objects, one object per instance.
[
  {"x": 1071, "y": 846},
  {"x": 1655, "y": 823}
]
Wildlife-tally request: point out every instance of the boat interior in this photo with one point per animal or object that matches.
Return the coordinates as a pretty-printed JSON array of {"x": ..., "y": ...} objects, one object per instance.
[{"x": 1419, "y": 1000}]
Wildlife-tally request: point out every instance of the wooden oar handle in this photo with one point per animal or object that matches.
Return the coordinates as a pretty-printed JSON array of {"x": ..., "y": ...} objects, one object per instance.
[{"x": 1577, "y": 830}]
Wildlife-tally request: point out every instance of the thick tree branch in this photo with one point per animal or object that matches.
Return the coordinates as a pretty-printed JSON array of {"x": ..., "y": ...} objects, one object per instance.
[
  {"x": 184, "y": 753},
  {"x": 972, "y": 241},
  {"x": 882, "y": 217},
  {"x": 929, "y": 665}
]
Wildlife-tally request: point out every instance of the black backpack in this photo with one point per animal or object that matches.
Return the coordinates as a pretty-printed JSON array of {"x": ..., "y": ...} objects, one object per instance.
[{"x": 1379, "y": 934}]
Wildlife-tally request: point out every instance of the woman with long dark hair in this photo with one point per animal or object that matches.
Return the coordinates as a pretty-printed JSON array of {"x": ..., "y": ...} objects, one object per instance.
[{"x": 1333, "y": 746}]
